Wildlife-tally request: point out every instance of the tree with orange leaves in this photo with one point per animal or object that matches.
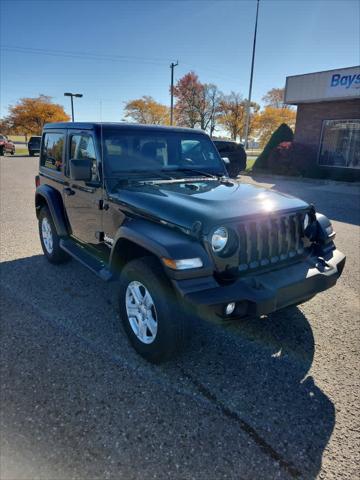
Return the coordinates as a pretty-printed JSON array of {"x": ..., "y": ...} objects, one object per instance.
[
  {"x": 147, "y": 111},
  {"x": 30, "y": 114},
  {"x": 269, "y": 119},
  {"x": 232, "y": 115},
  {"x": 197, "y": 104}
]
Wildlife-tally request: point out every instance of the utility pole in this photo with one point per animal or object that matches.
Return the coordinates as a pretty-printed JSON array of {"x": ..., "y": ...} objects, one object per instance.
[
  {"x": 71, "y": 95},
  {"x": 251, "y": 79},
  {"x": 172, "y": 66}
]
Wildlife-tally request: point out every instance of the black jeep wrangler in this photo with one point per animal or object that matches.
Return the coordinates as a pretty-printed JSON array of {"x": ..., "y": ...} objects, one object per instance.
[{"x": 153, "y": 207}]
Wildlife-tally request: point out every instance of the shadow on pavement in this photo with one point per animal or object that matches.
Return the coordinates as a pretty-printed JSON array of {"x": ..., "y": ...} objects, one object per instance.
[{"x": 254, "y": 371}]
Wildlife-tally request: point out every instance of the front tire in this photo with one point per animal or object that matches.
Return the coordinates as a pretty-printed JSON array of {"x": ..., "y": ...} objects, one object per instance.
[
  {"x": 50, "y": 240},
  {"x": 2, "y": 151},
  {"x": 150, "y": 312}
]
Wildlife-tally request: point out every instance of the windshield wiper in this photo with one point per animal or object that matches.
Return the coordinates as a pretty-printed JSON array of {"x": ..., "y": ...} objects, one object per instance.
[{"x": 193, "y": 170}]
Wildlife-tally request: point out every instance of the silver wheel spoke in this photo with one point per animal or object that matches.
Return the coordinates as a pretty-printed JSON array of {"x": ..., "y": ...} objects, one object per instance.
[
  {"x": 132, "y": 311},
  {"x": 141, "y": 312},
  {"x": 142, "y": 331},
  {"x": 148, "y": 301},
  {"x": 135, "y": 292},
  {"x": 151, "y": 324},
  {"x": 136, "y": 323},
  {"x": 47, "y": 236}
]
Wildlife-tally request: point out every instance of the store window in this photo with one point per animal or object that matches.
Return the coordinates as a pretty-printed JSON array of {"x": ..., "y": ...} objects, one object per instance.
[{"x": 340, "y": 144}]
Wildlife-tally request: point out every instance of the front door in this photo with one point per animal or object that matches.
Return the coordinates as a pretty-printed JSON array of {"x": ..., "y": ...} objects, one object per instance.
[{"x": 82, "y": 199}]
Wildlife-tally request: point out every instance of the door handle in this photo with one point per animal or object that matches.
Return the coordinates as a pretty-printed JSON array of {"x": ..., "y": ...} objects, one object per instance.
[{"x": 68, "y": 191}]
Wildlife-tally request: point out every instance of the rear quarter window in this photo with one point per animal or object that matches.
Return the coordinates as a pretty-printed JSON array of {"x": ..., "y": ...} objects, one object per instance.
[{"x": 52, "y": 152}]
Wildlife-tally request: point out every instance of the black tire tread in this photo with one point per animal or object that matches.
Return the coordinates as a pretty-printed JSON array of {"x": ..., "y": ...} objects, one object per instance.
[
  {"x": 149, "y": 271},
  {"x": 58, "y": 256}
]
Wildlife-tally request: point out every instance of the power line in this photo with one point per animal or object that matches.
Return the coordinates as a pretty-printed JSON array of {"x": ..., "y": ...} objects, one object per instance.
[
  {"x": 80, "y": 54},
  {"x": 107, "y": 57}
]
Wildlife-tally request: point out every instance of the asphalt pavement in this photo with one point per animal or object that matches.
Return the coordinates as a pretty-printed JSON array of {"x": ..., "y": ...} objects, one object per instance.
[{"x": 270, "y": 398}]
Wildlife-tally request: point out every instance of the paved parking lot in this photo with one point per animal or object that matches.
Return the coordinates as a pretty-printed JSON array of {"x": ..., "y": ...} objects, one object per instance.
[{"x": 273, "y": 398}]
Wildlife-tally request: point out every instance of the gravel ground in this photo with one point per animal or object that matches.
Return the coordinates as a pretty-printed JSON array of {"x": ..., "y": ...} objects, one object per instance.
[{"x": 273, "y": 398}]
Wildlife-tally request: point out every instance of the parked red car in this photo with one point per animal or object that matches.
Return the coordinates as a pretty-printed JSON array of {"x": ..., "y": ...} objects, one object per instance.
[{"x": 6, "y": 146}]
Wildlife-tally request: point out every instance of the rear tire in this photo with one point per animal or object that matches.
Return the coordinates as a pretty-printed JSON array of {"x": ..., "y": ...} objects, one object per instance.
[
  {"x": 31, "y": 154},
  {"x": 2, "y": 151},
  {"x": 149, "y": 310},
  {"x": 50, "y": 240}
]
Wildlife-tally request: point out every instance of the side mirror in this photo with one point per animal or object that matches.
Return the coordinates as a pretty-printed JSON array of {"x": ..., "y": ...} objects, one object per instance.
[
  {"x": 232, "y": 169},
  {"x": 81, "y": 169}
]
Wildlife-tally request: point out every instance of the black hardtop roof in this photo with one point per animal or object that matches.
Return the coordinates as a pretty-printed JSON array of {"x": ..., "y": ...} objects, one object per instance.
[{"x": 119, "y": 125}]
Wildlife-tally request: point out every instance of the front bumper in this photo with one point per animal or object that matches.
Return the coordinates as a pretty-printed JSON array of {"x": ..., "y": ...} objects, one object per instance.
[{"x": 265, "y": 292}]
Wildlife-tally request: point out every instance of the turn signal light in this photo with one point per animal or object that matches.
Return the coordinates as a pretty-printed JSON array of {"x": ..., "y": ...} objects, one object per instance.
[{"x": 183, "y": 264}]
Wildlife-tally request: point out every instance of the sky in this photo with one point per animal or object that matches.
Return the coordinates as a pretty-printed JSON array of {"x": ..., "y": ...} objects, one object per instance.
[{"x": 113, "y": 51}]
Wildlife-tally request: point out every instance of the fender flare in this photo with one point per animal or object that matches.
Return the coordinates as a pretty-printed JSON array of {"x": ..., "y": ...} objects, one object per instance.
[
  {"x": 55, "y": 204},
  {"x": 163, "y": 241}
]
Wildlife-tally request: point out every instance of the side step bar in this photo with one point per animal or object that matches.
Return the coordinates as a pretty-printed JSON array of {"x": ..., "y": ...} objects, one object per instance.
[{"x": 77, "y": 251}]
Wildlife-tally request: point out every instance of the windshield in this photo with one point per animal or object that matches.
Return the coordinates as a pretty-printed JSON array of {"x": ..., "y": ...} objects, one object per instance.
[
  {"x": 158, "y": 154},
  {"x": 35, "y": 140}
]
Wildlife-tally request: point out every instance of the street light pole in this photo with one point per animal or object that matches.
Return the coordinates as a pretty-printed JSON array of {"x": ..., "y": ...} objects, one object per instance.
[
  {"x": 172, "y": 66},
  {"x": 72, "y": 108},
  {"x": 251, "y": 79},
  {"x": 71, "y": 95}
]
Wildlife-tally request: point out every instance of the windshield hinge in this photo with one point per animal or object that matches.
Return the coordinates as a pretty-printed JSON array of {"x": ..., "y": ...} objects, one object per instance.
[{"x": 102, "y": 205}]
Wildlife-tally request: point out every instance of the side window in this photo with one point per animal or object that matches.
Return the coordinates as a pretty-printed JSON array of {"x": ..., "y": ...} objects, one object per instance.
[
  {"x": 82, "y": 147},
  {"x": 52, "y": 151}
]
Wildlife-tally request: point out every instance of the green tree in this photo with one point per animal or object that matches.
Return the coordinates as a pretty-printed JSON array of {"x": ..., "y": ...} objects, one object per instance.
[
  {"x": 282, "y": 134},
  {"x": 269, "y": 119}
]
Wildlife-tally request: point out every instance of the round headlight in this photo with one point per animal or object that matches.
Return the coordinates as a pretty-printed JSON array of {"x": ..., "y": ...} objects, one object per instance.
[
  {"x": 219, "y": 239},
  {"x": 306, "y": 221}
]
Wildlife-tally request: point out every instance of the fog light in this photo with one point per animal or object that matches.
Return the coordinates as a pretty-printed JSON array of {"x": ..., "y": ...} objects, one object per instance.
[{"x": 230, "y": 307}]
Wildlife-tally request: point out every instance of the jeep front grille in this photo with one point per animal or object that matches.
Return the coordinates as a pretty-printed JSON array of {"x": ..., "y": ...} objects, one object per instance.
[{"x": 270, "y": 240}]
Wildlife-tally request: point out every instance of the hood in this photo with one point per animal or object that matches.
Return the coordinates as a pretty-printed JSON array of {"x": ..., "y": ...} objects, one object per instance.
[{"x": 210, "y": 202}]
